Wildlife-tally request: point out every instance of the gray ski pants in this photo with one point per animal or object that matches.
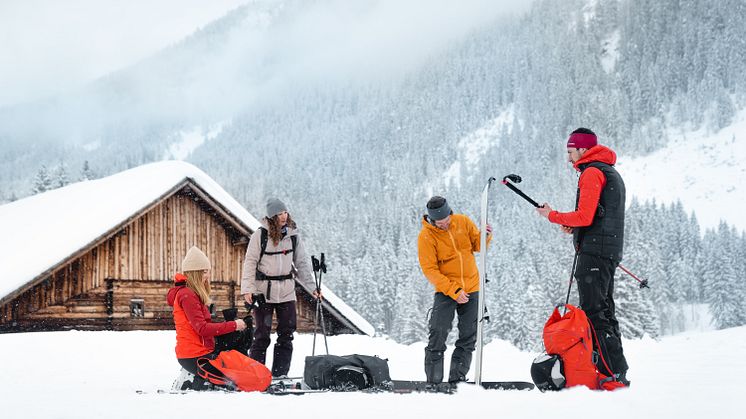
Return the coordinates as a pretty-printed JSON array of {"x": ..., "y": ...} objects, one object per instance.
[{"x": 441, "y": 320}]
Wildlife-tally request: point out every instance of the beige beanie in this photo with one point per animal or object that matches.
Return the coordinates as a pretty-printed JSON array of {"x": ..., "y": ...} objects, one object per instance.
[{"x": 195, "y": 260}]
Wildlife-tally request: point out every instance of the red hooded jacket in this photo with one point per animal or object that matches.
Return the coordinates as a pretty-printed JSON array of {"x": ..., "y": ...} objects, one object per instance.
[
  {"x": 195, "y": 331},
  {"x": 591, "y": 183}
]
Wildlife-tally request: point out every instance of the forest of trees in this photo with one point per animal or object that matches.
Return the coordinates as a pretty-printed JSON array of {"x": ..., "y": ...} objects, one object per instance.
[{"x": 356, "y": 160}]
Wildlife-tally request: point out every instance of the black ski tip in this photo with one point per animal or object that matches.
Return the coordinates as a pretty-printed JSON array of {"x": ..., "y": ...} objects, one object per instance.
[
  {"x": 404, "y": 386},
  {"x": 506, "y": 385}
]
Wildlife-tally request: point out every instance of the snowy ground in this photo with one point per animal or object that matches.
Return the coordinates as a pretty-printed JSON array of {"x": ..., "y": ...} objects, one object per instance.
[{"x": 96, "y": 375}]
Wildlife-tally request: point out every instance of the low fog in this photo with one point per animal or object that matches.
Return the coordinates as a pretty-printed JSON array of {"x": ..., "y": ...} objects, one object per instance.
[{"x": 257, "y": 54}]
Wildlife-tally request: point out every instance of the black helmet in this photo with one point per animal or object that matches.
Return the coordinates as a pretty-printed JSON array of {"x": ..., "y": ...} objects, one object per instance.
[{"x": 548, "y": 372}]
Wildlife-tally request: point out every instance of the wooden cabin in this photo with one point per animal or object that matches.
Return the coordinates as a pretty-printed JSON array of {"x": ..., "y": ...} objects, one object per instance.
[{"x": 101, "y": 255}]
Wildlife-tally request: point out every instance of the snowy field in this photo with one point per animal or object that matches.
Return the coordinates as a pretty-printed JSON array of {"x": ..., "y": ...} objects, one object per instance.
[
  {"x": 96, "y": 375},
  {"x": 703, "y": 170}
]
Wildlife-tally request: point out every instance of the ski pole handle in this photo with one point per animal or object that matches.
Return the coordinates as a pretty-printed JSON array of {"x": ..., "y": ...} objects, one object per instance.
[
  {"x": 643, "y": 282},
  {"x": 519, "y": 192}
]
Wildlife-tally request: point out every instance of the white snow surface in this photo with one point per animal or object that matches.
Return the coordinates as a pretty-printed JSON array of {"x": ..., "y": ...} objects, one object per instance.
[
  {"x": 699, "y": 168},
  {"x": 96, "y": 374},
  {"x": 190, "y": 140},
  {"x": 42, "y": 230},
  {"x": 473, "y": 146}
]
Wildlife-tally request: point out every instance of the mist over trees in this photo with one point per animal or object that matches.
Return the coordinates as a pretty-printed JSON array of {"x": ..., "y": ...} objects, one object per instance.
[{"x": 356, "y": 158}]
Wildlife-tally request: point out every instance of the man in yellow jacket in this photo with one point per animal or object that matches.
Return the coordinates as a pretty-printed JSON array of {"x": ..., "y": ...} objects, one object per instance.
[{"x": 446, "y": 247}]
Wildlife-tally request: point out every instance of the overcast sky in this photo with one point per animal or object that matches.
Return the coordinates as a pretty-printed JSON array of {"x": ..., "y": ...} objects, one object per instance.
[{"x": 49, "y": 46}]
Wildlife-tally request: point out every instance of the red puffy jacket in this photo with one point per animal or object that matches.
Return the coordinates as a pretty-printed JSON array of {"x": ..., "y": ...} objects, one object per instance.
[
  {"x": 591, "y": 183},
  {"x": 195, "y": 331}
]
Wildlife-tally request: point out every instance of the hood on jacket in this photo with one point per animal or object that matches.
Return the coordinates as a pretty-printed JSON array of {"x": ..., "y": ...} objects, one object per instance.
[
  {"x": 599, "y": 153},
  {"x": 426, "y": 223},
  {"x": 179, "y": 282}
]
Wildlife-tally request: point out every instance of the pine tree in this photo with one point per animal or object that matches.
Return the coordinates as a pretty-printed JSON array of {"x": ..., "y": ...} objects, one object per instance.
[
  {"x": 42, "y": 181},
  {"x": 60, "y": 176},
  {"x": 86, "y": 173},
  {"x": 723, "y": 286}
]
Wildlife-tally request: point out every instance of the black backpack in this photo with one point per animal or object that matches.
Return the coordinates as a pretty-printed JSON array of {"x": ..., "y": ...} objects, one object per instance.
[
  {"x": 346, "y": 373},
  {"x": 240, "y": 341}
]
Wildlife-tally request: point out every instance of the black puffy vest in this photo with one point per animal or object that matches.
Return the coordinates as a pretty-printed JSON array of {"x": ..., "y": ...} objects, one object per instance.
[{"x": 605, "y": 236}]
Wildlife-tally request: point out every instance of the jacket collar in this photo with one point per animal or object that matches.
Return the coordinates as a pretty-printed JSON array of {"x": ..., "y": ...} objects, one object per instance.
[{"x": 597, "y": 153}]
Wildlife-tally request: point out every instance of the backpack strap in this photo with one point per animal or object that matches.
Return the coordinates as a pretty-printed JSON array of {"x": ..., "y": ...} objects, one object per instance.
[
  {"x": 265, "y": 239},
  {"x": 260, "y": 276},
  {"x": 600, "y": 352}
]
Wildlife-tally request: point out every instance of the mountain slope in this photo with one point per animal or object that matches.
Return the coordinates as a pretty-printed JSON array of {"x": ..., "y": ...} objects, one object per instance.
[{"x": 705, "y": 171}]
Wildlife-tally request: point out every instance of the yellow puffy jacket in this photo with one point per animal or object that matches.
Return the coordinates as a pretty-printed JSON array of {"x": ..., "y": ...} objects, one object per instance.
[{"x": 447, "y": 256}]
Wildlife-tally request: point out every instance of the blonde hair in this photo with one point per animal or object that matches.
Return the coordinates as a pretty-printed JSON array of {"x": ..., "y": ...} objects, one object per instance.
[{"x": 195, "y": 282}]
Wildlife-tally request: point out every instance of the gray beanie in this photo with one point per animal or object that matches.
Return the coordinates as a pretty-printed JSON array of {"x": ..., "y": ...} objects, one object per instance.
[
  {"x": 437, "y": 208},
  {"x": 274, "y": 207}
]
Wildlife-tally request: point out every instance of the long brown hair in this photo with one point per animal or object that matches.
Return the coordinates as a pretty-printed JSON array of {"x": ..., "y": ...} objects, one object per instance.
[
  {"x": 275, "y": 233},
  {"x": 195, "y": 283}
]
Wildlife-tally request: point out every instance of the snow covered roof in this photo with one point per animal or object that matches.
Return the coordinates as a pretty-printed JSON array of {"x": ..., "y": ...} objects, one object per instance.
[
  {"x": 42, "y": 231},
  {"x": 344, "y": 312}
]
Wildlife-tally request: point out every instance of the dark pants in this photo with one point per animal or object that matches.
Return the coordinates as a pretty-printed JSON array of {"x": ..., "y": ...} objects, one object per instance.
[
  {"x": 286, "y": 323},
  {"x": 190, "y": 364},
  {"x": 440, "y": 325},
  {"x": 595, "y": 278}
]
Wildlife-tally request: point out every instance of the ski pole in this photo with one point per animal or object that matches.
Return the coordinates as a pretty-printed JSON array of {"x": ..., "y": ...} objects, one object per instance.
[
  {"x": 643, "y": 282},
  {"x": 517, "y": 179},
  {"x": 569, "y": 287},
  {"x": 315, "y": 264},
  {"x": 322, "y": 270}
]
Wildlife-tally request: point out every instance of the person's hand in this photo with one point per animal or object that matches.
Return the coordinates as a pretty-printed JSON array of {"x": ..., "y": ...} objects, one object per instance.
[
  {"x": 462, "y": 298},
  {"x": 240, "y": 325},
  {"x": 566, "y": 229},
  {"x": 318, "y": 295},
  {"x": 489, "y": 229},
  {"x": 544, "y": 210},
  {"x": 248, "y": 298}
]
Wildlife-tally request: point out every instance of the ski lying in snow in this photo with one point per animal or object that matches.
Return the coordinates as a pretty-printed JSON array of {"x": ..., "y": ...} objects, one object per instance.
[
  {"x": 279, "y": 391},
  {"x": 395, "y": 386},
  {"x": 506, "y": 385},
  {"x": 403, "y": 386},
  {"x": 273, "y": 390}
]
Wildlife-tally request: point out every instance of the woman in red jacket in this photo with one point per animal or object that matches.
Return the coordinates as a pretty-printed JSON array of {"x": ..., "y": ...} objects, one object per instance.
[{"x": 190, "y": 298}]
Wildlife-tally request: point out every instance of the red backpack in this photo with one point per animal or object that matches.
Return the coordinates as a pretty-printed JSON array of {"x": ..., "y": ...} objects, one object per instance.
[
  {"x": 571, "y": 337},
  {"x": 235, "y": 370}
]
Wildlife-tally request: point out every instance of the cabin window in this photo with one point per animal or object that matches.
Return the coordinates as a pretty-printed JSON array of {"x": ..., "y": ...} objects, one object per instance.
[{"x": 137, "y": 307}]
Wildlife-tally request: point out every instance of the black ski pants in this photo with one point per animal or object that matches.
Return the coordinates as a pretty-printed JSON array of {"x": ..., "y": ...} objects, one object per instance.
[
  {"x": 595, "y": 278},
  {"x": 190, "y": 364},
  {"x": 286, "y": 324},
  {"x": 441, "y": 321}
]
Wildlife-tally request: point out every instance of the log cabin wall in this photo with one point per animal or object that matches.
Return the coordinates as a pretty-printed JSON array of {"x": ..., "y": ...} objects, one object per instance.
[
  {"x": 96, "y": 290},
  {"x": 149, "y": 249}
]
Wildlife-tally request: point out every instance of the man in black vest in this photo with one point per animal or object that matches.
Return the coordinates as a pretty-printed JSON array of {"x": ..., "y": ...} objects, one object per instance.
[{"x": 597, "y": 226}]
